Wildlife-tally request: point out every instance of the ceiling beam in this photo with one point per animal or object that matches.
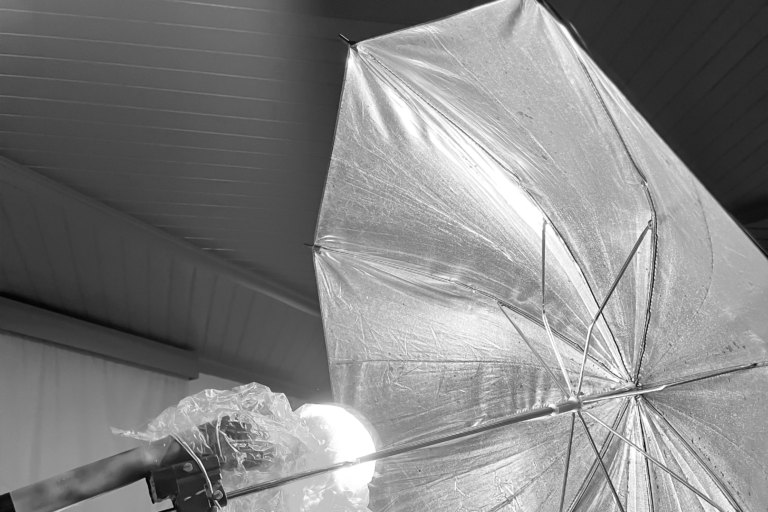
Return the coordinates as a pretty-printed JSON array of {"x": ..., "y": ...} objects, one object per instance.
[
  {"x": 36, "y": 184},
  {"x": 43, "y": 325},
  {"x": 38, "y": 324}
]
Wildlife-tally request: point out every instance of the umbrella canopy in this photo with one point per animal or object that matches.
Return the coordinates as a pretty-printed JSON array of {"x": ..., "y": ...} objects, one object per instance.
[{"x": 500, "y": 231}]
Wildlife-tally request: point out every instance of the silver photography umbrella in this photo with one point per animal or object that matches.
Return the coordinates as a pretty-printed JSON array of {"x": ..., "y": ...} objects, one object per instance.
[{"x": 506, "y": 248}]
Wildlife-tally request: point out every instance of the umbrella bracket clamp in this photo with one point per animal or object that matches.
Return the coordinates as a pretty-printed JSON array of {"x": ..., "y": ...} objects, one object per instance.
[{"x": 187, "y": 486}]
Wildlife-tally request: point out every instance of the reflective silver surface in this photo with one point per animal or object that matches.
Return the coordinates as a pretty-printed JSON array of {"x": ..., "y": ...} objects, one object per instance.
[{"x": 456, "y": 141}]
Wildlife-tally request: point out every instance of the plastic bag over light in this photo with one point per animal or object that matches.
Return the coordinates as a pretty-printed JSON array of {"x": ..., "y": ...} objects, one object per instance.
[{"x": 257, "y": 437}]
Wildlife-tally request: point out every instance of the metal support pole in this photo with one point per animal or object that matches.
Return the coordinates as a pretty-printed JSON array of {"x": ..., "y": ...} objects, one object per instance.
[
  {"x": 569, "y": 405},
  {"x": 605, "y": 301}
]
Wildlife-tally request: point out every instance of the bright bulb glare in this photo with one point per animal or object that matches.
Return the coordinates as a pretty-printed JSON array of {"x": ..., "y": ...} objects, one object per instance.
[{"x": 347, "y": 439}]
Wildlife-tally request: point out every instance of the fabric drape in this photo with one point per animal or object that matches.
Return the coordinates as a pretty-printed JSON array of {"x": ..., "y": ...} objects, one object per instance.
[{"x": 56, "y": 410}]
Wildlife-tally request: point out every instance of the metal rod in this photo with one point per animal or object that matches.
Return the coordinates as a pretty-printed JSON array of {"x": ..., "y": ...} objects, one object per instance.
[
  {"x": 237, "y": 493},
  {"x": 640, "y": 421},
  {"x": 652, "y": 388},
  {"x": 567, "y": 463},
  {"x": 714, "y": 373},
  {"x": 710, "y": 472},
  {"x": 600, "y": 461},
  {"x": 622, "y": 393},
  {"x": 605, "y": 301},
  {"x": 661, "y": 465},
  {"x": 544, "y": 317},
  {"x": 535, "y": 352},
  {"x": 549, "y": 410},
  {"x": 648, "y": 196},
  {"x": 651, "y": 278}
]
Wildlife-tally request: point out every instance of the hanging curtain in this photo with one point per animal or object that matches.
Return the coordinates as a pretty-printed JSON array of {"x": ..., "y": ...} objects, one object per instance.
[{"x": 56, "y": 410}]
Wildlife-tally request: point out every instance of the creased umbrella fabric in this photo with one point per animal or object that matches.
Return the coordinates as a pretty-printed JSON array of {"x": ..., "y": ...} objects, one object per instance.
[{"x": 456, "y": 141}]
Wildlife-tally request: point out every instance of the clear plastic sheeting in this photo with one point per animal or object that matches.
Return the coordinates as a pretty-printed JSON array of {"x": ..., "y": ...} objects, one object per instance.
[
  {"x": 471, "y": 154},
  {"x": 257, "y": 437}
]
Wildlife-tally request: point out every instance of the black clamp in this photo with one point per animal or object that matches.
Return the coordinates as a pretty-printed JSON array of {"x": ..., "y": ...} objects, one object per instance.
[{"x": 186, "y": 485}]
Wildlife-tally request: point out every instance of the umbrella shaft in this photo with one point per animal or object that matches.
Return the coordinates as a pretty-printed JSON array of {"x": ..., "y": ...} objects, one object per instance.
[{"x": 569, "y": 405}]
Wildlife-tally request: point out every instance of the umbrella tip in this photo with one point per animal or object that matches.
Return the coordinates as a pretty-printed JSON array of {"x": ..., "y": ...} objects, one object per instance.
[
  {"x": 351, "y": 44},
  {"x": 314, "y": 247}
]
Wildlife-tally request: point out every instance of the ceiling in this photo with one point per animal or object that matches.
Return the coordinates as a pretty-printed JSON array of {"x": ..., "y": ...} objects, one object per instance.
[{"x": 166, "y": 158}]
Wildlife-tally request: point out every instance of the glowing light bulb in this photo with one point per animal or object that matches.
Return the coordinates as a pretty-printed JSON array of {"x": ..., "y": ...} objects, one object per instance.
[{"x": 347, "y": 439}]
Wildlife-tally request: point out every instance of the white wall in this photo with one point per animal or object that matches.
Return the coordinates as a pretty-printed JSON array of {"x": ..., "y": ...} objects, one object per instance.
[
  {"x": 56, "y": 410},
  {"x": 57, "y": 406}
]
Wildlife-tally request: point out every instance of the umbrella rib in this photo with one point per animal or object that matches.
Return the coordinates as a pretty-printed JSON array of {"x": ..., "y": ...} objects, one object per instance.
[
  {"x": 658, "y": 463},
  {"x": 647, "y": 464},
  {"x": 535, "y": 352},
  {"x": 561, "y": 336},
  {"x": 423, "y": 273},
  {"x": 567, "y": 462},
  {"x": 519, "y": 491},
  {"x": 544, "y": 309},
  {"x": 600, "y": 460},
  {"x": 648, "y": 198},
  {"x": 605, "y": 302},
  {"x": 593, "y": 469},
  {"x": 653, "y": 388},
  {"x": 709, "y": 375},
  {"x": 504, "y": 503},
  {"x": 696, "y": 456}
]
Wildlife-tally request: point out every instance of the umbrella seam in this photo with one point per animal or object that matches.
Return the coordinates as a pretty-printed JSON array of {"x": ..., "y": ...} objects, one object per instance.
[
  {"x": 675, "y": 475},
  {"x": 690, "y": 321},
  {"x": 530, "y": 317},
  {"x": 647, "y": 463},
  {"x": 508, "y": 463},
  {"x": 504, "y": 166},
  {"x": 723, "y": 488},
  {"x": 651, "y": 204},
  {"x": 719, "y": 432}
]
